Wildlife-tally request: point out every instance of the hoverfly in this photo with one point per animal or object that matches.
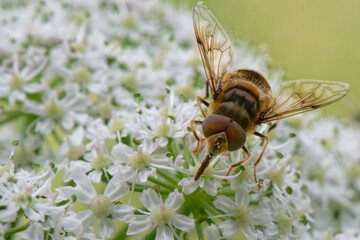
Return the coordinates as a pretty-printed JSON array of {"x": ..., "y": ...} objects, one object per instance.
[{"x": 243, "y": 99}]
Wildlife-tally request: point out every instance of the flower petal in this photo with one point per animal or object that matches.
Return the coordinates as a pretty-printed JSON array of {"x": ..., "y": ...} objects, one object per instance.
[
  {"x": 242, "y": 197},
  {"x": 211, "y": 187},
  {"x": 183, "y": 222},
  {"x": 212, "y": 232},
  {"x": 125, "y": 173},
  {"x": 33, "y": 87},
  {"x": 189, "y": 185},
  {"x": 145, "y": 173},
  {"x": 148, "y": 146},
  {"x": 106, "y": 228},
  {"x": 95, "y": 176},
  {"x": 261, "y": 216},
  {"x": 150, "y": 199},
  {"x": 67, "y": 121},
  {"x": 225, "y": 204},
  {"x": 86, "y": 217},
  {"x": 139, "y": 223},
  {"x": 121, "y": 211},
  {"x": 116, "y": 189},
  {"x": 164, "y": 233},
  {"x": 9, "y": 213},
  {"x": 175, "y": 200},
  {"x": 84, "y": 191},
  {"x": 230, "y": 228},
  {"x": 163, "y": 141},
  {"x": 45, "y": 127},
  {"x": 34, "y": 231},
  {"x": 122, "y": 152},
  {"x": 33, "y": 215},
  {"x": 252, "y": 234}
]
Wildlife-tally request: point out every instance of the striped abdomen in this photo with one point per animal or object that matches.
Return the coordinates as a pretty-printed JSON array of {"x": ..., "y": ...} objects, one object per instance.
[{"x": 239, "y": 105}]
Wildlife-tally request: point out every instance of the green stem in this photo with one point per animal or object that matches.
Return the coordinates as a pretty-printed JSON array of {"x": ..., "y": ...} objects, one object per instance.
[
  {"x": 226, "y": 192},
  {"x": 12, "y": 231},
  {"x": 168, "y": 176},
  {"x": 173, "y": 147},
  {"x": 122, "y": 233},
  {"x": 58, "y": 134},
  {"x": 161, "y": 184},
  {"x": 9, "y": 116},
  {"x": 198, "y": 227},
  {"x": 209, "y": 207},
  {"x": 187, "y": 154},
  {"x": 142, "y": 187}
]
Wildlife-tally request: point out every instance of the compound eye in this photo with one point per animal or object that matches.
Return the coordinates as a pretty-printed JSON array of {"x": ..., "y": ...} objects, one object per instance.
[
  {"x": 235, "y": 135},
  {"x": 215, "y": 123}
]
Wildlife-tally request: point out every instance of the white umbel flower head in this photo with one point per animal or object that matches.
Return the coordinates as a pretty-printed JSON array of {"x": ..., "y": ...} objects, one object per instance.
[{"x": 161, "y": 215}]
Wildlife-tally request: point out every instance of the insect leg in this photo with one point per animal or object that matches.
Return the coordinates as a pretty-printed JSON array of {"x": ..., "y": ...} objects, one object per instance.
[
  {"x": 274, "y": 125},
  {"x": 240, "y": 162},
  {"x": 266, "y": 139},
  {"x": 199, "y": 100},
  {"x": 195, "y": 134},
  {"x": 207, "y": 90}
]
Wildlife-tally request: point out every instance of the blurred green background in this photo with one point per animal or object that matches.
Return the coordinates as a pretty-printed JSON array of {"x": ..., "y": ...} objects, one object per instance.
[{"x": 318, "y": 39}]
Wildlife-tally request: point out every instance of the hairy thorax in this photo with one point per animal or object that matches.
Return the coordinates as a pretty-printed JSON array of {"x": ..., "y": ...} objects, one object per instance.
[{"x": 242, "y": 99}]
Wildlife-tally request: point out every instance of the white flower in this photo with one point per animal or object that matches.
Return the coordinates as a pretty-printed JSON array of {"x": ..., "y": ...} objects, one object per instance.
[
  {"x": 168, "y": 122},
  {"x": 348, "y": 234},
  {"x": 142, "y": 162},
  {"x": 242, "y": 216},
  {"x": 72, "y": 140},
  {"x": 101, "y": 205},
  {"x": 210, "y": 187},
  {"x": 26, "y": 191},
  {"x": 66, "y": 111},
  {"x": 34, "y": 231},
  {"x": 212, "y": 232},
  {"x": 15, "y": 83},
  {"x": 206, "y": 182},
  {"x": 99, "y": 161},
  {"x": 161, "y": 215}
]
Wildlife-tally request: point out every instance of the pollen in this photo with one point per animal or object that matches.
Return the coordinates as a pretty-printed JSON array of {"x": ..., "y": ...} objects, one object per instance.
[
  {"x": 101, "y": 161},
  {"x": 276, "y": 177},
  {"x": 54, "y": 109},
  {"x": 105, "y": 110},
  {"x": 75, "y": 151},
  {"x": 242, "y": 215},
  {"x": 284, "y": 223},
  {"x": 24, "y": 199},
  {"x": 16, "y": 83},
  {"x": 140, "y": 160},
  {"x": 162, "y": 130},
  {"x": 80, "y": 47},
  {"x": 130, "y": 83},
  {"x": 116, "y": 125},
  {"x": 82, "y": 75},
  {"x": 208, "y": 172},
  {"x": 162, "y": 215},
  {"x": 23, "y": 155},
  {"x": 187, "y": 92},
  {"x": 101, "y": 206}
]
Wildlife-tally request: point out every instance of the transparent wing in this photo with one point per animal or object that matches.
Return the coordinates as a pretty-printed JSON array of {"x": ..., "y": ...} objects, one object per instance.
[
  {"x": 299, "y": 96},
  {"x": 214, "y": 45}
]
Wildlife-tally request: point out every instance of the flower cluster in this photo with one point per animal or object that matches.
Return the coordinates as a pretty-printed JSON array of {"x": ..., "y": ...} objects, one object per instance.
[{"x": 96, "y": 99}]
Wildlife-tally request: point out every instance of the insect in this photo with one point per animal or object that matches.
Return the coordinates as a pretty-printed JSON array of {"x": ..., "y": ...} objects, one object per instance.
[{"x": 243, "y": 99}]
